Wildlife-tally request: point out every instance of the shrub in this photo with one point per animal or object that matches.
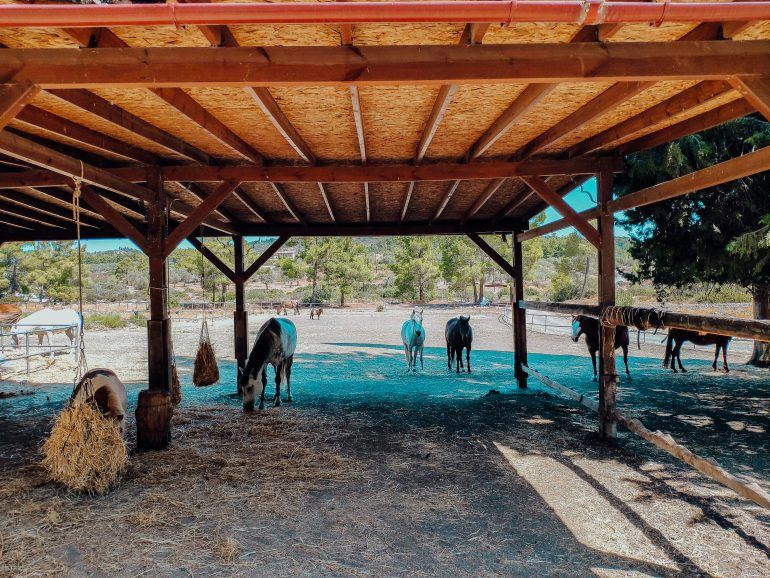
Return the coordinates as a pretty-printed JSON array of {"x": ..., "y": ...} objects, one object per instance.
[
  {"x": 563, "y": 288},
  {"x": 105, "y": 321}
]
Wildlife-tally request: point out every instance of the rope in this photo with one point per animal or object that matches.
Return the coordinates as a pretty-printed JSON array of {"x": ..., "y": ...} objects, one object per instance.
[
  {"x": 82, "y": 367},
  {"x": 640, "y": 317}
]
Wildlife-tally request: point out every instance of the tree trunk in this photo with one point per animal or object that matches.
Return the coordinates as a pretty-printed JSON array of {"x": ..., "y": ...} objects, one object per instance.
[
  {"x": 342, "y": 297},
  {"x": 760, "y": 357},
  {"x": 475, "y": 292},
  {"x": 315, "y": 284},
  {"x": 481, "y": 288},
  {"x": 585, "y": 277}
]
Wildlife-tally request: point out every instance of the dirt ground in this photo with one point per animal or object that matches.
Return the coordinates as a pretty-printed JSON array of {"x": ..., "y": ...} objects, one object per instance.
[{"x": 373, "y": 471}]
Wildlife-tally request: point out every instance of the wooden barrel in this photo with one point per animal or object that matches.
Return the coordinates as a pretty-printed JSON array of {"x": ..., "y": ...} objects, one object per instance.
[{"x": 153, "y": 420}]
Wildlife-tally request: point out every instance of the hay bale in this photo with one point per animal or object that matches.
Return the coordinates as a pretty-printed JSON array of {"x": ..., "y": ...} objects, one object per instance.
[
  {"x": 206, "y": 370},
  {"x": 85, "y": 451},
  {"x": 176, "y": 387}
]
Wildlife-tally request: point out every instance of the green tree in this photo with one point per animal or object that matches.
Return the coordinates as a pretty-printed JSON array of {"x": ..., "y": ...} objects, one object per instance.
[
  {"x": 314, "y": 252},
  {"x": 50, "y": 269},
  {"x": 11, "y": 258},
  {"x": 347, "y": 265},
  {"x": 415, "y": 265},
  {"x": 292, "y": 269},
  {"x": 685, "y": 240},
  {"x": 210, "y": 278}
]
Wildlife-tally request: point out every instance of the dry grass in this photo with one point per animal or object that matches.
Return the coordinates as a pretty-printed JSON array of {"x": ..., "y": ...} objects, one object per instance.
[
  {"x": 206, "y": 370},
  {"x": 85, "y": 451}
]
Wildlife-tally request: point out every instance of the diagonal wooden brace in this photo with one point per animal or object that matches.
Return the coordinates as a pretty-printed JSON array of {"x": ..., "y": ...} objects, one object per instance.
[
  {"x": 114, "y": 217},
  {"x": 199, "y": 214},
  {"x": 262, "y": 259},
  {"x": 13, "y": 98},
  {"x": 216, "y": 261},
  {"x": 545, "y": 192},
  {"x": 494, "y": 255},
  {"x": 756, "y": 91}
]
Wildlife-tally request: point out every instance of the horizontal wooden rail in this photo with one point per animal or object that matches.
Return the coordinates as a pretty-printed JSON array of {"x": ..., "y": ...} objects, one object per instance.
[
  {"x": 565, "y": 308},
  {"x": 749, "y": 490}
]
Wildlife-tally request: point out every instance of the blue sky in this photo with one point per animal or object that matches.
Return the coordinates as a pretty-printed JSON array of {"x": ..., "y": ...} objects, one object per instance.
[{"x": 577, "y": 199}]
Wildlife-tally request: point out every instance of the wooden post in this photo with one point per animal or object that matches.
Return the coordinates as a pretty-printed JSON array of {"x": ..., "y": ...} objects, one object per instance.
[
  {"x": 607, "y": 372},
  {"x": 154, "y": 409},
  {"x": 519, "y": 317},
  {"x": 240, "y": 316}
]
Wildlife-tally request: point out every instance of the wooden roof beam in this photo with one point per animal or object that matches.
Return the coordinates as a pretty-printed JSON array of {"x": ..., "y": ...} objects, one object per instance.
[
  {"x": 325, "y": 197},
  {"x": 486, "y": 194},
  {"x": 10, "y": 221},
  {"x": 697, "y": 95},
  {"x": 199, "y": 193},
  {"x": 358, "y": 118},
  {"x": 445, "y": 200},
  {"x": 116, "y": 219},
  {"x": 756, "y": 91},
  {"x": 19, "y": 197},
  {"x": 13, "y": 98},
  {"x": 281, "y": 194},
  {"x": 213, "y": 259},
  {"x": 407, "y": 199},
  {"x": 245, "y": 198},
  {"x": 377, "y": 65},
  {"x": 55, "y": 198},
  {"x": 21, "y": 212}
]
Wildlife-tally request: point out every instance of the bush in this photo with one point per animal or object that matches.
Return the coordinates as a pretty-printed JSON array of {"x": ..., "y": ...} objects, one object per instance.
[
  {"x": 105, "y": 321},
  {"x": 624, "y": 298},
  {"x": 563, "y": 288}
]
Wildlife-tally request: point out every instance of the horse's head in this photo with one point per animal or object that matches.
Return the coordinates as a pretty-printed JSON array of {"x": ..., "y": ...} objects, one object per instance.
[
  {"x": 417, "y": 315},
  {"x": 250, "y": 381},
  {"x": 577, "y": 327},
  {"x": 464, "y": 326}
]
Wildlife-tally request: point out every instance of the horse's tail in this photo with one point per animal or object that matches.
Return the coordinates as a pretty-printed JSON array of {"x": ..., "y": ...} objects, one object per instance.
[
  {"x": 669, "y": 348},
  {"x": 638, "y": 338}
]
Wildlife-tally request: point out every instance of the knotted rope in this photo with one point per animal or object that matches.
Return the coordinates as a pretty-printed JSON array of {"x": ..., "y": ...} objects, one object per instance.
[
  {"x": 82, "y": 366},
  {"x": 640, "y": 317}
]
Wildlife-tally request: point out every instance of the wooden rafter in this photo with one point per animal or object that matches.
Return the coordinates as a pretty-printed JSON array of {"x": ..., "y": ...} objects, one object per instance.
[
  {"x": 262, "y": 259},
  {"x": 13, "y": 98},
  {"x": 358, "y": 118},
  {"x": 698, "y": 123},
  {"x": 105, "y": 110},
  {"x": 492, "y": 254},
  {"x": 30, "y": 215},
  {"x": 376, "y": 65},
  {"x": 177, "y": 98},
  {"x": 756, "y": 91},
  {"x": 733, "y": 29},
  {"x": 276, "y": 116},
  {"x": 407, "y": 199},
  {"x": 11, "y": 222},
  {"x": 545, "y": 192},
  {"x": 325, "y": 197},
  {"x": 528, "y": 194},
  {"x": 82, "y": 135},
  {"x": 697, "y": 95},
  {"x": 115, "y": 218},
  {"x": 46, "y": 208},
  {"x": 197, "y": 191},
  {"x": 281, "y": 194},
  {"x": 445, "y": 200},
  {"x": 245, "y": 198},
  {"x": 54, "y": 198},
  {"x": 444, "y": 97},
  {"x": 486, "y": 194},
  {"x": 213, "y": 259}
]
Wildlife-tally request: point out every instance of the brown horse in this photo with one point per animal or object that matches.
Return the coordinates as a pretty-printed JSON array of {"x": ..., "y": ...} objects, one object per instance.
[
  {"x": 315, "y": 312},
  {"x": 287, "y": 304},
  {"x": 677, "y": 337},
  {"x": 588, "y": 326}
]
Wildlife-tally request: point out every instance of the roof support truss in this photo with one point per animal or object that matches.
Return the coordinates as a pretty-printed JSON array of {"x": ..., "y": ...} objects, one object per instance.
[{"x": 13, "y": 98}]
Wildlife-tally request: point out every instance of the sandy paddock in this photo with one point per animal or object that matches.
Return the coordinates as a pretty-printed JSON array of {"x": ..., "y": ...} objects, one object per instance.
[{"x": 373, "y": 471}]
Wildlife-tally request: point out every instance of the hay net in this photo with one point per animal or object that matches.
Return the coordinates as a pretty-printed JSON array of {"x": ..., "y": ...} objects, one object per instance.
[{"x": 206, "y": 370}]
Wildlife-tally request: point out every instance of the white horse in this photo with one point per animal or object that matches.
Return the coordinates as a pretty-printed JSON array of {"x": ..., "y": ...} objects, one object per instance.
[
  {"x": 413, "y": 336},
  {"x": 47, "y": 322}
]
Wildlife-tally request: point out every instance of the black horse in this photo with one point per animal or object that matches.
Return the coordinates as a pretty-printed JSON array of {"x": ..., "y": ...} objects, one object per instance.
[
  {"x": 274, "y": 345},
  {"x": 677, "y": 337},
  {"x": 459, "y": 336},
  {"x": 588, "y": 326}
]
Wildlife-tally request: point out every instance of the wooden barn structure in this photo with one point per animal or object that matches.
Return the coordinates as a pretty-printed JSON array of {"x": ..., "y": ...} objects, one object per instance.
[{"x": 364, "y": 118}]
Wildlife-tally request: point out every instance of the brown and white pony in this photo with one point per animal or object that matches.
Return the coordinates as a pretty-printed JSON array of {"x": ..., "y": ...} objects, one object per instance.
[
  {"x": 274, "y": 345},
  {"x": 677, "y": 337},
  {"x": 102, "y": 387}
]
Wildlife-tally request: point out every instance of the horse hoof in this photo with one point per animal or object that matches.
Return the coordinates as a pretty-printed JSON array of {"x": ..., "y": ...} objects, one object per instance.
[
  {"x": 249, "y": 407},
  {"x": 289, "y": 400},
  {"x": 261, "y": 407},
  {"x": 594, "y": 379}
]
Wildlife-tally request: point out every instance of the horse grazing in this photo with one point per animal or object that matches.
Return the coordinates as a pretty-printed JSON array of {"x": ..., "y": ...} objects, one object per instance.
[
  {"x": 459, "y": 336},
  {"x": 677, "y": 337},
  {"x": 315, "y": 312},
  {"x": 588, "y": 326},
  {"x": 413, "y": 336},
  {"x": 102, "y": 387},
  {"x": 275, "y": 344},
  {"x": 47, "y": 322},
  {"x": 286, "y": 305}
]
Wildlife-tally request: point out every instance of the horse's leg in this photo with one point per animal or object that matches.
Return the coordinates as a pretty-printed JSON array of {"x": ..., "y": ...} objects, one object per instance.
[
  {"x": 724, "y": 357},
  {"x": 593, "y": 362},
  {"x": 449, "y": 356},
  {"x": 264, "y": 387},
  {"x": 716, "y": 357},
  {"x": 678, "y": 354},
  {"x": 289, "y": 362},
  {"x": 49, "y": 335},
  {"x": 278, "y": 379},
  {"x": 422, "y": 365},
  {"x": 625, "y": 360},
  {"x": 468, "y": 357},
  {"x": 408, "y": 358}
]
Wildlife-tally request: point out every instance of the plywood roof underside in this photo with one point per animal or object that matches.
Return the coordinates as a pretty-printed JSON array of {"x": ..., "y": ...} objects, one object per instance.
[{"x": 393, "y": 117}]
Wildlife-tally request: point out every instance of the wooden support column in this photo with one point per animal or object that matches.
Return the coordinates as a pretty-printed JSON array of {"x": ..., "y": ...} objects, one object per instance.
[
  {"x": 519, "y": 316},
  {"x": 607, "y": 372},
  {"x": 154, "y": 409},
  {"x": 241, "y": 316}
]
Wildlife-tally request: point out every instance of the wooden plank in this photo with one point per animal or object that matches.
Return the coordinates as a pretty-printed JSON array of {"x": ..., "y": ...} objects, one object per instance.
[
  {"x": 189, "y": 107},
  {"x": 40, "y": 118},
  {"x": 563, "y": 389},
  {"x": 703, "y": 121},
  {"x": 407, "y": 199},
  {"x": 732, "y": 29},
  {"x": 325, "y": 197},
  {"x": 756, "y": 91},
  {"x": 608, "y": 379},
  {"x": 486, "y": 194},
  {"x": 212, "y": 258},
  {"x": 104, "y": 109},
  {"x": 375, "y": 65},
  {"x": 262, "y": 259},
  {"x": 249, "y": 203},
  {"x": 20, "y": 212},
  {"x": 281, "y": 194},
  {"x": 13, "y": 98},
  {"x": 445, "y": 200},
  {"x": 358, "y": 118},
  {"x": 198, "y": 215},
  {"x": 755, "y": 329},
  {"x": 519, "y": 317},
  {"x": 551, "y": 197},
  {"x": 199, "y": 193},
  {"x": 275, "y": 115},
  {"x": 476, "y": 32},
  {"x": 440, "y": 105},
  {"x": 46, "y": 208},
  {"x": 53, "y": 198},
  {"x": 9, "y": 221},
  {"x": 697, "y": 95},
  {"x": 115, "y": 218}
]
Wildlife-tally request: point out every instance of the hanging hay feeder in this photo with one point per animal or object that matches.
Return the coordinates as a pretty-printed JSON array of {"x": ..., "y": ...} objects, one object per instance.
[
  {"x": 176, "y": 387},
  {"x": 85, "y": 451},
  {"x": 206, "y": 371}
]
